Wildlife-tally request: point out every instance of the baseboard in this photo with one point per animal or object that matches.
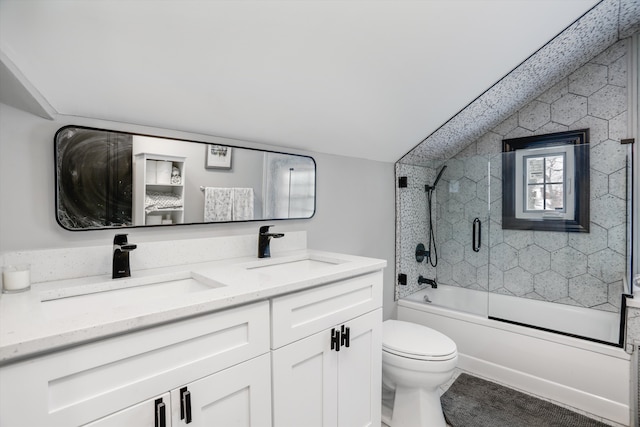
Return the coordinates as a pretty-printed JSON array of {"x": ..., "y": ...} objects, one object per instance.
[{"x": 547, "y": 390}]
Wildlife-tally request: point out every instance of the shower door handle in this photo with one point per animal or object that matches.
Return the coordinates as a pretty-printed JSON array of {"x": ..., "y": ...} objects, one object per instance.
[{"x": 477, "y": 235}]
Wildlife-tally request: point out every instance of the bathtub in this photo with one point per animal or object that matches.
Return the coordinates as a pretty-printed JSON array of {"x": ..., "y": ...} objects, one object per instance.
[
  {"x": 586, "y": 375},
  {"x": 583, "y": 322}
]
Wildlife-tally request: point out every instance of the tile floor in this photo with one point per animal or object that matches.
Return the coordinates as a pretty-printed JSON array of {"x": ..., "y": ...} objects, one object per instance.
[{"x": 389, "y": 399}]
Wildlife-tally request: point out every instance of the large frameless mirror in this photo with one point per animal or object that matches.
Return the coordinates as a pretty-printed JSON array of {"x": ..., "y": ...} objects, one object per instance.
[{"x": 109, "y": 179}]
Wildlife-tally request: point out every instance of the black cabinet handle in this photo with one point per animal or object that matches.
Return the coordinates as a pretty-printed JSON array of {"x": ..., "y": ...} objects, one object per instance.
[
  {"x": 161, "y": 416},
  {"x": 335, "y": 339},
  {"x": 345, "y": 340},
  {"x": 185, "y": 405},
  {"x": 477, "y": 231}
]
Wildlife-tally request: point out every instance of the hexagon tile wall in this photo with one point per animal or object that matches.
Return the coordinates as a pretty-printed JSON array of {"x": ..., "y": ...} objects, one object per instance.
[{"x": 582, "y": 269}]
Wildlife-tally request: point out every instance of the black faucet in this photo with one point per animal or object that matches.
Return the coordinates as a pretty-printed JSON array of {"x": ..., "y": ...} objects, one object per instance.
[
  {"x": 121, "y": 249},
  {"x": 263, "y": 241},
  {"x": 423, "y": 280}
]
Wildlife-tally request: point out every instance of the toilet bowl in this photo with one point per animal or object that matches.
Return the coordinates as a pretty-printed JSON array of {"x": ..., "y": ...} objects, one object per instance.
[{"x": 416, "y": 360}]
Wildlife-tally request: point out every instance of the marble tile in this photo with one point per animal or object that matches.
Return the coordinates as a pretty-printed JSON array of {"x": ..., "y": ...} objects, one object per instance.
[
  {"x": 607, "y": 265},
  {"x": 569, "y": 109},
  {"x": 550, "y": 285},
  {"x": 589, "y": 291},
  {"x": 591, "y": 242},
  {"x": 588, "y": 79},
  {"x": 568, "y": 262},
  {"x": 608, "y": 157},
  {"x": 608, "y": 102},
  {"x": 503, "y": 257},
  {"x": 618, "y": 183},
  {"x": 550, "y": 240},
  {"x": 598, "y": 128},
  {"x": 534, "y": 259},
  {"x": 518, "y": 281},
  {"x": 534, "y": 115},
  {"x": 518, "y": 239},
  {"x": 464, "y": 274},
  {"x": 608, "y": 211}
]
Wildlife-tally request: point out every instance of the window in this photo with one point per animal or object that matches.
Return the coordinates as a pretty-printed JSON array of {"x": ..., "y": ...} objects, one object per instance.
[
  {"x": 546, "y": 182},
  {"x": 545, "y": 177}
]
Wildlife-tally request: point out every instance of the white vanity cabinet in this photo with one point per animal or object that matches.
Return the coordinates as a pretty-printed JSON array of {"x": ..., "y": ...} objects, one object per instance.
[
  {"x": 153, "y": 412},
  {"x": 327, "y": 357},
  {"x": 307, "y": 353},
  {"x": 116, "y": 381},
  {"x": 238, "y": 396}
]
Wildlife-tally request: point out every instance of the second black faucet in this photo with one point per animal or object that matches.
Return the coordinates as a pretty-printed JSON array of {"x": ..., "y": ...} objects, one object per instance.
[
  {"x": 264, "y": 237},
  {"x": 121, "y": 249}
]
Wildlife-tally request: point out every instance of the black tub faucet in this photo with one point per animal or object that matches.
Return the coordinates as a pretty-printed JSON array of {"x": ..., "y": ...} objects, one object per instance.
[
  {"x": 424, "y": 280},
  {"x": 263, "y": 241},
  {"x": 121, "y": 249}
]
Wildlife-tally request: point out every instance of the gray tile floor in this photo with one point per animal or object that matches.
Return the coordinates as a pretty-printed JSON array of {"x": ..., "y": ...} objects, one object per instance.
[{"x": 458, "y": 371}]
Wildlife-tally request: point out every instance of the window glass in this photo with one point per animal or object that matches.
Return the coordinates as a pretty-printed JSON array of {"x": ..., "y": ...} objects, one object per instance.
[
  {"x": 554, "y": 197},
  {"x": 554, "y": 168},
  {"x": 545, "y": 183}
]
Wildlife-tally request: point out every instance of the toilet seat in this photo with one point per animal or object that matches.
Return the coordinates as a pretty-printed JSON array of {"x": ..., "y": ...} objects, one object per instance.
[{"x": 413, "y": 341}]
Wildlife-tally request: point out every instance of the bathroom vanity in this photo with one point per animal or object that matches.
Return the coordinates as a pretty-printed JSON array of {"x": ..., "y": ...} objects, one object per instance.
[{"x": 286, "y": 341}]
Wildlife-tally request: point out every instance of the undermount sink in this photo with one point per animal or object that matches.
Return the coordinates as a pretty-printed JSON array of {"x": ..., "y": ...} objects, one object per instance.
[
  {"x": 127, "y": 291},
  {"x": 292, "y": 266}
]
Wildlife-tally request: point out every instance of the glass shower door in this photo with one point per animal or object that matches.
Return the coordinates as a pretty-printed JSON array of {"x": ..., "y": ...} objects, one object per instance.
[
  {"x": 461, "y": 201},
  {"x": 565, "y": 279}
]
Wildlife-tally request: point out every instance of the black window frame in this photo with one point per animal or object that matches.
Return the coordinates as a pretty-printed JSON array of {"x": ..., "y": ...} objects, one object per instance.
[{"x": 580, "y": 222}]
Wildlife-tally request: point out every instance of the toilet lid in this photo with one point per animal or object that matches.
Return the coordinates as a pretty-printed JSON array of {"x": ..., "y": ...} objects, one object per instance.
[{"x": 416, "y": 341}]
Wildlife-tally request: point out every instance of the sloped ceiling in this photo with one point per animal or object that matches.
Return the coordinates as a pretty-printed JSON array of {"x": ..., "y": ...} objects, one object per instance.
[
  {"x": 368, "y": 79},
  {"x": 606, "y": 23}
]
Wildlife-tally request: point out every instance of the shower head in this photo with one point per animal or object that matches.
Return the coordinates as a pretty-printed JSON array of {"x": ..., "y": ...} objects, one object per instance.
[{"x": 439, "y": 176}]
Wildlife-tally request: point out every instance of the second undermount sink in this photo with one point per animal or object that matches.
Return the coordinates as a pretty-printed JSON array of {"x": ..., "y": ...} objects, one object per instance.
[
  {"x": 119, "y": 292},
  {"x": 296, "y": 266}
]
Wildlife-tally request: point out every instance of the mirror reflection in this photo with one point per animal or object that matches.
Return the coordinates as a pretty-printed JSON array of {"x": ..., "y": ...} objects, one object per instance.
[{"x": 108, "y": 179}]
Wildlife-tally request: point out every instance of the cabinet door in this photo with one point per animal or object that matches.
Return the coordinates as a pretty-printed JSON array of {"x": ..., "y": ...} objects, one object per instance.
[
  {"x": 360, "y": 372},
  {"x": 305, "y": 383},
  {"x": 237, "y": 396},
  {"x": 150, "y": 413}
]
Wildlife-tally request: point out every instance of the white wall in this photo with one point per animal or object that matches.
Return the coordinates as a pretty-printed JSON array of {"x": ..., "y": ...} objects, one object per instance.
[{"x": 354, "y": 213}]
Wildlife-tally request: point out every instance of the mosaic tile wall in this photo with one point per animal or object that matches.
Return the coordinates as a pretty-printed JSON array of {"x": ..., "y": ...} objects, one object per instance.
[
  {"x": 411, "y": 226},
  {"x": 573, "y": 268}
]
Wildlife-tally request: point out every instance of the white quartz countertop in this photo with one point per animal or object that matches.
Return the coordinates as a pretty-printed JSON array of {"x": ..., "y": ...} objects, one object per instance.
[{"x": 31, "y": 325}]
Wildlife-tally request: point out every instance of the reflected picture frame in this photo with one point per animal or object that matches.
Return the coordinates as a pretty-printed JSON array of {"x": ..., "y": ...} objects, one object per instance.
[{"x": 218, "y": 157}]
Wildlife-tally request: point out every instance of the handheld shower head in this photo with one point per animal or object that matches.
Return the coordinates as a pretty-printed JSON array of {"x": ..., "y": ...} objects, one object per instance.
[{"x": 439, "y": 176}]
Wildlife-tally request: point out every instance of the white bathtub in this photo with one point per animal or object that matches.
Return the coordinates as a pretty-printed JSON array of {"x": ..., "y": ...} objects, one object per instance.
[
  {"x": 584, "y": 322},
  {"x": 586, "y": 375}
]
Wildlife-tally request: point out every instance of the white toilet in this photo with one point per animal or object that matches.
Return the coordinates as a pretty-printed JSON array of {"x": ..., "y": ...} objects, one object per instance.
[{"x": 416, "y": 360}]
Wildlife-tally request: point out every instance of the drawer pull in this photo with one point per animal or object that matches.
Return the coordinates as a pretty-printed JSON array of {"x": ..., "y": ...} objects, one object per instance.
[
  {"x": 161, "y": 416},
  {"x": 335, "y": 339},
  {"x": 345, "y": 340},
  {"x": 185, "y": 405}
]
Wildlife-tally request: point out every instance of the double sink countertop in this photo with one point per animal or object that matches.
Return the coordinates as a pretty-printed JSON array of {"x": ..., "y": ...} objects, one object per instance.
[{"x": 59, "y": 314}]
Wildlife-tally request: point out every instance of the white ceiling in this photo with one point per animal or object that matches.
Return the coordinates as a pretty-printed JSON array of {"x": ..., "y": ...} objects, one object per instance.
[{"x": 367, "y": 79}]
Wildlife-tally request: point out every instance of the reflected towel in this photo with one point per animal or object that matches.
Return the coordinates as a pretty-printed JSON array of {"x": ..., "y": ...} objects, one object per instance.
[
  {"x": 218, "y": 204},
  {"x": 242, "y": 204},
  {"x": 157, "y": 200}
]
